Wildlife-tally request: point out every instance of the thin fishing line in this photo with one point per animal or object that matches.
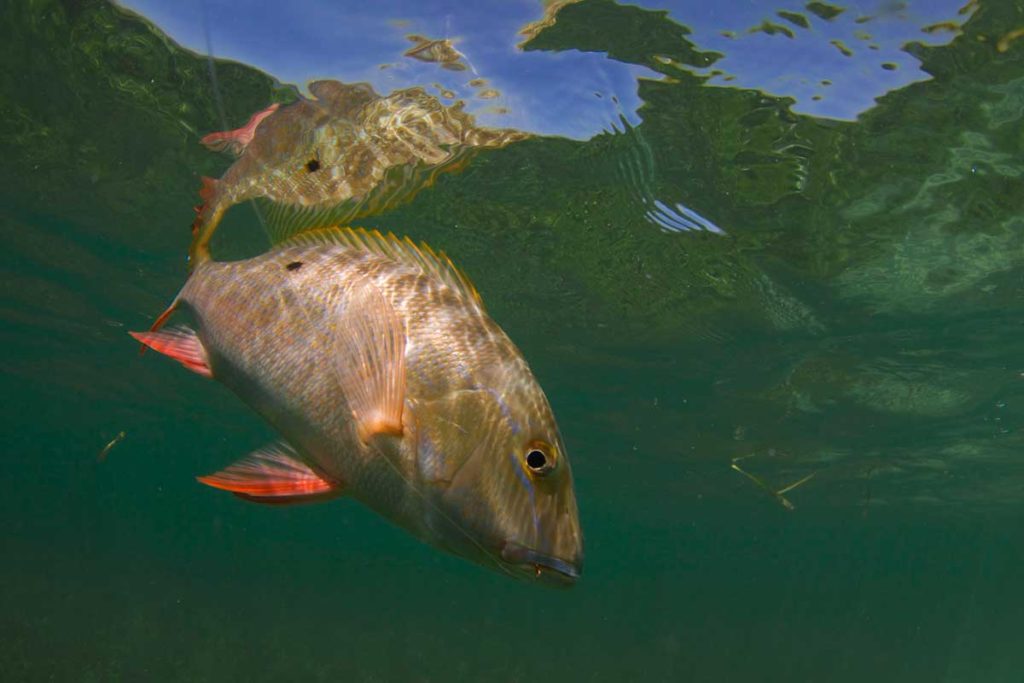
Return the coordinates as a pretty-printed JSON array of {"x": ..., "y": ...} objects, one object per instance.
[{"x": 212, "y": 69}]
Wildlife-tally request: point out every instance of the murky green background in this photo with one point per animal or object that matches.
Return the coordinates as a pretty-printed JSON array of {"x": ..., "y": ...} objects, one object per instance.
[{"x": 862, "y": 319}]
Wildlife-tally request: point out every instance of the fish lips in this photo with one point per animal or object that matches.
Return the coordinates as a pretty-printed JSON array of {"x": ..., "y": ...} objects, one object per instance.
[{"x": 541, "y": 566}]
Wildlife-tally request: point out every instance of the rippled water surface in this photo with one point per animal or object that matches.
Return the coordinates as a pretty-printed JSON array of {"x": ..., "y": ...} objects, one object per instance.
[{"x": 742, "y": 247}]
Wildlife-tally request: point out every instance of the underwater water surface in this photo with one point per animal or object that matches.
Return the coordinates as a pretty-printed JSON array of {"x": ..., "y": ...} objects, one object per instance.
[{"x": 741, "y": 248}]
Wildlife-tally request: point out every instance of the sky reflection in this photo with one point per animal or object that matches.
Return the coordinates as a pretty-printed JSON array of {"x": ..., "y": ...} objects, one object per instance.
[{"x": 567, "y": 93}]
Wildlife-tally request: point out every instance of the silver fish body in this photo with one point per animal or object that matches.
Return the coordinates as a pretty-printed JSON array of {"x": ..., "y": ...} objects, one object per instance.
[{"x": 377, "y": 363}]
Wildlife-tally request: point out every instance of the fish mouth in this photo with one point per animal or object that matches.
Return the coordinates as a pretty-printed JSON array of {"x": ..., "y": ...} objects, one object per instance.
[{"x": 543, "y": 567}]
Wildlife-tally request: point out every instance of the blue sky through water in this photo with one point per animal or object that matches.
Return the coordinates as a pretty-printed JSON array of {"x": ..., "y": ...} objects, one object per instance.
[{"x": 555, "y": 93}]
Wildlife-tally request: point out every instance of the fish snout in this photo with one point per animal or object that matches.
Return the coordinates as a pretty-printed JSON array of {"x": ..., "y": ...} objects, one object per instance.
[{"x": 549, "y": 569}]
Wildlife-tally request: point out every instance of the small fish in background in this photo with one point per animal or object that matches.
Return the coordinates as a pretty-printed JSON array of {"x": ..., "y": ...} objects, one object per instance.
[
  {"x": 344, "y": 154},
  {"x": 376, "y": 362},
  {"x": 102, "y": 456}
]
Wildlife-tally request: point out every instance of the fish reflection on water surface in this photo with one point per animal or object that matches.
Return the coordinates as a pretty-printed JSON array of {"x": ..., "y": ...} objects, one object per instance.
[
  {"x": 375, "y": 360},
  {"x": 342, "y": 154}
]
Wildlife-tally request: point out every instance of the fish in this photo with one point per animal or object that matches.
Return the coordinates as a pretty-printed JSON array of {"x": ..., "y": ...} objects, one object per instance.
[
  {"x": 376, "y": 362},
  {"x": 341, "y": 154}
]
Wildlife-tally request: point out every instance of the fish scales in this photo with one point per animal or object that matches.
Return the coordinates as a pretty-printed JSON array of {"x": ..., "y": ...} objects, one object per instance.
[{"x": 262, "y": 303}]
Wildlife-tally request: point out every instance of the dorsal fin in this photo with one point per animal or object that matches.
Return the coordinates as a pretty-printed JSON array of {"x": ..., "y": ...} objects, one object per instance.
[{"x": 402, "y": 250}]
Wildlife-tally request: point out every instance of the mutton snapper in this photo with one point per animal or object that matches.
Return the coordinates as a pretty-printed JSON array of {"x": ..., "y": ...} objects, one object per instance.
[{"x": 376, "y": 362}]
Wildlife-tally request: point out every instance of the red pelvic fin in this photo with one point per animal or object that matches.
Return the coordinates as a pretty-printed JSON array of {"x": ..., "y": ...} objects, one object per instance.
[
  {"x": 159, "y": 322},
  {"x": 237, "y": 140},
  {"x": 274, "y": 476},
  {"x": 181, "y": 344}
]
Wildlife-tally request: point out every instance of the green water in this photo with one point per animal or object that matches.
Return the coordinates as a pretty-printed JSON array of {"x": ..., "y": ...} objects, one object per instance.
[{"x": 862, "y": 319}]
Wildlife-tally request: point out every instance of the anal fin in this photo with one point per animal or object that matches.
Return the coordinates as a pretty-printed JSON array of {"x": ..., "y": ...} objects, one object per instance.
[
  {"x": 181, "y": 344},
  {"x": 273, "y": 476},
  {"x": 370, "y": 343}
]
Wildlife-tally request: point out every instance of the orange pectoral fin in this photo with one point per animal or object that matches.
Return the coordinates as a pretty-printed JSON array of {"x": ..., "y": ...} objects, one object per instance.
[
  {"x": 370, "y": 359},
  {"x": 273, "y": 476},
  {"x": 181, "y": 344}
]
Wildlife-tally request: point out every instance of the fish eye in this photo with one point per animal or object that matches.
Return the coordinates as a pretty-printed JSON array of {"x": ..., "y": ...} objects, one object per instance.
[
  {"x": 539, "y": 460},
  {"x": 536, "y": 460}
]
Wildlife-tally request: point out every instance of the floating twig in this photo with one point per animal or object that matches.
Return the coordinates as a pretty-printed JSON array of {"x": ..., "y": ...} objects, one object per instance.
[{"x": 776, "y": 494}]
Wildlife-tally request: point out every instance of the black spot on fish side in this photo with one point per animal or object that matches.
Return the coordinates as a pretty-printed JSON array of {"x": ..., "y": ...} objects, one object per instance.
[
  {"x": 312, "y": 165},
  {"x": 294, "y": 265}
]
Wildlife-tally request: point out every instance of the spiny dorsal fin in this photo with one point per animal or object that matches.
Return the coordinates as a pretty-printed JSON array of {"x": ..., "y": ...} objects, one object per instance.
[{"x": 403, "y": 250}]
